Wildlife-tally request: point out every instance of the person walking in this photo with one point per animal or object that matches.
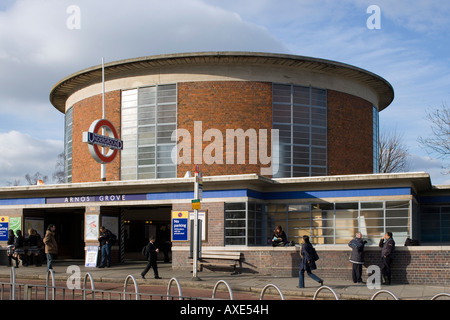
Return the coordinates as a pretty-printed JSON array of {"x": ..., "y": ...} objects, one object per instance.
[
  {"x": 51, "y": 247},
  {"x": 151, "y": 253},
  {"x": 387, "y": 244},
  {"x": 307, "y": 263},
  {"x": 357, "y": 257},
  {"x": 105, "y": 246}
]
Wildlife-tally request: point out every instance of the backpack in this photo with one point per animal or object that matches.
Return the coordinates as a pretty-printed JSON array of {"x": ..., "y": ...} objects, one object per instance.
[
  {"x": 112, "y": 239},
  {"x": 145, "y": 251}
]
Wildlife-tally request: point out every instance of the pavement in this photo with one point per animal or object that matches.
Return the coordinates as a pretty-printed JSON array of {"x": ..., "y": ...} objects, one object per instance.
[{"x": 255, "y": 283}]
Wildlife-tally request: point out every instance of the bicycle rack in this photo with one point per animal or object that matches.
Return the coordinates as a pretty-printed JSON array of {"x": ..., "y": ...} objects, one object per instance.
[
  {"x": 383, "y": 291},
  {"x": 179, "y": 288},
  {"x": 135, "y": 287},
  {"x": 228, "y": 287},
  {"x": 270, "y": 285},
  {"x": 92, "y": 286},
  {"x": 50, "y": 272},
  {"x": 440, "y": 295},
  {"x": 325, "y": 287}
]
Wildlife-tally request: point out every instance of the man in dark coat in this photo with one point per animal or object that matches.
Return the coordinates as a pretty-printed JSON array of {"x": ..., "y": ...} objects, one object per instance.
[
  {"x": 151, "y": 253},
  {"x": 387, "y": 244},
  {"x": 357, "y": 256},
  {"x": 105, "y": 246}
]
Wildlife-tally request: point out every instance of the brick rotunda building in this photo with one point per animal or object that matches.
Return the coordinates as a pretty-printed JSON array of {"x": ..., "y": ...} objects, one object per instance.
[{"x": 326, "y": 114}]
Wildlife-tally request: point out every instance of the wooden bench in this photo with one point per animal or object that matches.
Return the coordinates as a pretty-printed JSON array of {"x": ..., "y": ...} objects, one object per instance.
[{"x": 226, "y": 259}]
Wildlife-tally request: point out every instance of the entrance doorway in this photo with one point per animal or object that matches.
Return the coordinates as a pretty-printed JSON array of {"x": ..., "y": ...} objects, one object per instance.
[
  {"x": 69, "y": 232},
  {"x": 140, "y": 223}
]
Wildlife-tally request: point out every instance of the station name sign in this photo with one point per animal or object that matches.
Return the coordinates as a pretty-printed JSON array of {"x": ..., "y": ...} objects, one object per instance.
[
  {"x": 104, "y": 141},
  {"x": 98, "y": 198}
]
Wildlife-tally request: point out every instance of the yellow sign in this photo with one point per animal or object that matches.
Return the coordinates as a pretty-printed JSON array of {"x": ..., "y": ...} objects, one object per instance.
[
  {"x": 180, "y": 214},
  {"x": 196, "y": 205}
]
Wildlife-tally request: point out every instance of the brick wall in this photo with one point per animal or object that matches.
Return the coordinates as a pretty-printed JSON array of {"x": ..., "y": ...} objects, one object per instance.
[
  {"x": 225, "y": 105},
  {"x": 350, "y": 141},
  {"x": 413, "y": 265},
  {"x": 84, "y": 167}
]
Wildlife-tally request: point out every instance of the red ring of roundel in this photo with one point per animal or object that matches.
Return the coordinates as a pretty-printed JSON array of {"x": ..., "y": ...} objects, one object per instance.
[{"x": 98, "y": 126}]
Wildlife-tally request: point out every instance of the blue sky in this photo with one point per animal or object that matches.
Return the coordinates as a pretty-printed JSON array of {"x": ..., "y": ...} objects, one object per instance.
[{"x": 37, "y": 49}]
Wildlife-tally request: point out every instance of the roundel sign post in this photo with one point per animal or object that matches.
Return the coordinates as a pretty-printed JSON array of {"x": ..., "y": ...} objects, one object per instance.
[{"x": 97, "y": 141}]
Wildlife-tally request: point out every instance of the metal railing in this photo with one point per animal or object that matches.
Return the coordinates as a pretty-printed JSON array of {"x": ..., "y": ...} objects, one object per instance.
[
  {"x": 49, "y": 291},
  {"x": 383, "y": 291},
  {"x": 228, "y": 287},
  {"x": 322, "y": 288},
  {"x": 261, "y": 297}
]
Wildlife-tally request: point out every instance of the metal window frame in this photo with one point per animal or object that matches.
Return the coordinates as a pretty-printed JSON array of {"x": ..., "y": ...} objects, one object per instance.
[
  {"x": 292, "y": 124},
  {"x": 156, "y": 104},
  {"x": 68, "y": 123}
]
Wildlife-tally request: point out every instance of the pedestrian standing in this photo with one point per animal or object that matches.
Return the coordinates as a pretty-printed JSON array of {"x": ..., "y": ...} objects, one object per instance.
[
  {"x": 51, "y": 247},
  {"x": 151, "y": 253},
  {"x": 19, "y": 248},
  {"x": 357, "y": 257},
  {"x": 105, "y": 246},
  {"x": 10, "y": 248},
  {"x": 387, "y": 244},
  {"x": 33, "y": 247},
  {"x": 307, "y": 263}
]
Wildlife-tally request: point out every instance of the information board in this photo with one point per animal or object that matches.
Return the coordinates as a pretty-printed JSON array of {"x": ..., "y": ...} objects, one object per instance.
[{"x": 180, "y": 225}]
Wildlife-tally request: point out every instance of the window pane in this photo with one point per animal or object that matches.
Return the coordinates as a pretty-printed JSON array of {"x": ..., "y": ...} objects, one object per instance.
[
  {"x": 370, "y": 205},
  {"x": 397, "y": 204}
]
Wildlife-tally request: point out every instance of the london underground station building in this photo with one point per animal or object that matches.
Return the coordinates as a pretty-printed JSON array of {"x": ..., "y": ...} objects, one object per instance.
[{"x": 279, "y": 139}]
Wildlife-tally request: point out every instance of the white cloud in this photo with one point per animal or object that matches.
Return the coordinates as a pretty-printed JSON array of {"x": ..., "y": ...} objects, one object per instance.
[
  {"x": 420, "y": 163},
  {"x": 22, "y": 154}
]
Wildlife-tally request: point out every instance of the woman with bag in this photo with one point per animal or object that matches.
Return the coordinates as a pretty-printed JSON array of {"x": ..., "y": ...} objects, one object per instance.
[{"x": 307, "y": 262}]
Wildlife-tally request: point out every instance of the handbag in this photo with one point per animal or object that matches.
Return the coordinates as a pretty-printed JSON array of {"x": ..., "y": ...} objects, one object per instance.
[{"x": 315, "y": 256}]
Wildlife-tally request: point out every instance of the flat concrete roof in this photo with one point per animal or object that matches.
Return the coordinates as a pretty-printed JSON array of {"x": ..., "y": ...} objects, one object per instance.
[
  {"x": 419, "y": 181},
  {"x": 81, "y": 79}
]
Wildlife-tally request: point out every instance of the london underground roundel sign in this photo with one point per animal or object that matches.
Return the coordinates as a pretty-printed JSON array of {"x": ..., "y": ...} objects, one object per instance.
[{"x": 97, "y": 141}]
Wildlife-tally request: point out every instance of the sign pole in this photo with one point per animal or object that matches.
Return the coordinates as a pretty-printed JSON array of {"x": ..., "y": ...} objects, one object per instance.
[
  {"x": 196, "y": 243},
  {"x": 103, "y": 165}
]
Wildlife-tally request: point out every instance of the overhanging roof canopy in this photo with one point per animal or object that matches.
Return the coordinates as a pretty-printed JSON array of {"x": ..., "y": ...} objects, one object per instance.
[{"x": 67, "y": 86}]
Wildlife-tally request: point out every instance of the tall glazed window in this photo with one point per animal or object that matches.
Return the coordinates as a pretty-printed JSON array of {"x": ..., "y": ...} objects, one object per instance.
[
  {"x": 149, "y": 116},
  {"x": 300, "y": 115},
  {"x": 376, "y": 147},
  {"x": 68, "y": 129}
]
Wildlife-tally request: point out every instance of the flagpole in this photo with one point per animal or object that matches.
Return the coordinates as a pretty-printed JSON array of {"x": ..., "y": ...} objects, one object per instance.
[{"x": 103, "y": 165}]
